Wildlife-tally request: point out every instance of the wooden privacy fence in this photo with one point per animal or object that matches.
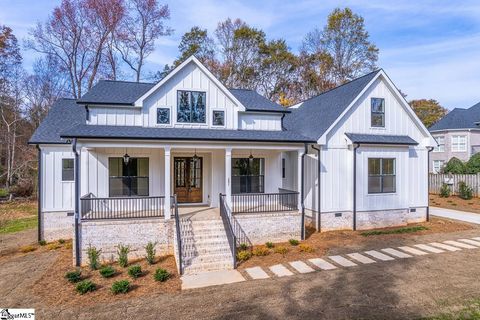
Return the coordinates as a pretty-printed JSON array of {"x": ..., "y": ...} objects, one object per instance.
[{"x": 436, "y": 180}]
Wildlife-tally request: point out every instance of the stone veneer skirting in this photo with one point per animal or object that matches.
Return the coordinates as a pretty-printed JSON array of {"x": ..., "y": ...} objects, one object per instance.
[
  {"x": 136, "y": 233},
  {"x": 57, "y": 225},
  {"x": 259, "y": 228}
]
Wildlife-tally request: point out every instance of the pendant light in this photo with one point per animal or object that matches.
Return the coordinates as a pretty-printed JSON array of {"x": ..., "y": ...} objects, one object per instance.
[
  {"x": 126, "y": 157},
  {"x": 251, "y": 155},
  {"x": 195, "y": 157}
]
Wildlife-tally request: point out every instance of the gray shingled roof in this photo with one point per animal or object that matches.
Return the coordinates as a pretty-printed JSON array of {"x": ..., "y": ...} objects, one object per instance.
[
  {"x": 145, "y": 133},
  {"x": 115, "y": 92},
  {"x": 253, "y": 101},
  {"x": 314, "y": 116},
  {"x": 459, "y": 119},
  {"x": 64, "y": 114},
  {"x": 380, "y": 139}
]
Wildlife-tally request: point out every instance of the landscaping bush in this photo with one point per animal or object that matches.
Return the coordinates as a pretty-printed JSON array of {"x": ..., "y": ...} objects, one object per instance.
[
  {"x": 464, "y": 191},
  {"x": 281, "y": 250},
  {"x": 107, "y": 272},
  {"x": 161, "y": 275},
  {"x": 293, "y": 242},
  {"x": 445, "y": 191},
  {"x": 53, "y": 246},
  {"x": 85, "y": 286},
  {"x": 122, "y": 252},
  {"x": 305, "y": 248},
  {"x": 61, "y": 241},
  {"x": 121, "y": 286},
  {"x": 93, "y": 257},
  {"x": 135, "y": 271},
  {"x": 269, "y": 245},
  {"x": 243, "y": 255},
  {"x": 243, "y": 246},
  {"x": 151, "y": 252},
  {"x": 42, "y": 242},
  {"x": 473, "y": 164},
  {"x": 261, "y": 251},
  {"x": 3, "y": 192},
  {"x": 455, "y": 166},
  {"x": 74, "y": 276},
  {"x": 26, "y": 249}
]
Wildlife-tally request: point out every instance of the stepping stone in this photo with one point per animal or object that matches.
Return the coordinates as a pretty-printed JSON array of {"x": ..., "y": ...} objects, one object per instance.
[
  {"x": 322, "y": 264},
  {"x": 460, "y": 244},
  {"x": 428, "y": 248},
  {"x": 379, "y": 255},
  {"x": 475, "y": 243},
  {"x": 281, "y": 271},
  {"x": 413, "y": 251},
  {"x": 211, "y": 278},
  {"x": 344, "y": 262},
  {"x": 476, "y": 238},
  {"x": 444, "y": 246},
  {"x": 360, "y": 258},
  {"x": 257, "y": 273},
  {"x": 396, "y": 253},
  {"x": 301, "y": 267}
]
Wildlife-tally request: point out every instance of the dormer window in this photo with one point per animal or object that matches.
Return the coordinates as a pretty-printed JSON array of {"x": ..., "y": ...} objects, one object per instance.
[
  {"x": 191, "y": 106},
  {"x": 163, "y": 115},
  {"x": 378, "y": 112},
  {"x": 218, "y": 118}
]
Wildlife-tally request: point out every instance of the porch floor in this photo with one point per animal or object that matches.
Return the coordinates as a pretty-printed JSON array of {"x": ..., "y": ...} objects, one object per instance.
[{"x": 193, "y": 212}]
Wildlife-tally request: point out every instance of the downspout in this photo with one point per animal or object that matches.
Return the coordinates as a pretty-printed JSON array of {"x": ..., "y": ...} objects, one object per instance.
[
  {"x": 77, "y": 202},
  {"x": 319, "y": 171},
  {"x": 39, "y": 193},
  {"x": 302, "y": 191},
  {"x": 430, "y": 149},
  {"x": 357, "y": 145},
  {"x": 281, "y": 121}
]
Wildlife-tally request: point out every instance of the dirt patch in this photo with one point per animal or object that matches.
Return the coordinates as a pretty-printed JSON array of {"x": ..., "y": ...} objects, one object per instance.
[
  {"x": 456, "y": 203},
  {"x": 321, "y": 243},
  {"x": 17, "y": 209},
  {"x": 53, "y": 289}
]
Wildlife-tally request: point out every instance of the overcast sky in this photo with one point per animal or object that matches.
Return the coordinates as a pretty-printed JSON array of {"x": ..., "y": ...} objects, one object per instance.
[{"x": 430, "y": 49}]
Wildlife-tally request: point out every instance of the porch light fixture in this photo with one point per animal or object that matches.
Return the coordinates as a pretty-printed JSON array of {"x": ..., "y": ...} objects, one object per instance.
[
  {"x": 195, "y": 157},
  {"x": 251, "y": 155},
  {"x": 126, "y": 157}
]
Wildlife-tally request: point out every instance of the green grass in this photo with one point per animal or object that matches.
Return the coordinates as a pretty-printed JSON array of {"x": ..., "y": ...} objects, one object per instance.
[
  {"x": 393, "y": 231},
  {"x": 17, "y": 225},
  {"x": 471, "y": 311}
]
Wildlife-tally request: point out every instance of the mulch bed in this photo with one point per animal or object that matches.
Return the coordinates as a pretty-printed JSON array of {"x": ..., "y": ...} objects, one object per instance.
[{"x": 456, "y": 203}]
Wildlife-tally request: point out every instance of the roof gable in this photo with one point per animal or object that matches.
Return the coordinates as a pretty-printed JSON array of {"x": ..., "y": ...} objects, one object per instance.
[
  {"x": 108, "y": 92},
  {"x": 253, "y": 101}
]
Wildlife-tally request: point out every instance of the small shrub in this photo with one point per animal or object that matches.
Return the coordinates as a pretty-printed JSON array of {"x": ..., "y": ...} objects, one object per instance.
[
  {"x": 53, "y": 246},
  {"x": 107, "y": 272},
  {"x": 26, "y": 249},
  {"x": 74, "y": 276},
  {"x": 161, "y": 275},
  {"x": 464, "y": 191},
  {"x": 61, "y": 241},
  {"x": 281, "y": 250},
  {"x": 261, "y": 251},
  {"x": 455, "y": 166},
  {"x": 243, "y": 246},
  {"x": 122, "y": 252},
  {"x": 305, "y": 248},
  {"x": 3, "y": 192},
  {"x": 135, "y": 271},
  {"x": 42, "y": 242},
  {"x": 121, "y": 286},
  {"x": 68, "y": 245},
  {"x": 293, "y": 242},
  {"x": 93, "y": 257},
  {"x": 445, "y": 191},
  {"x": 151, "y": 252},
  {"x": 85, "y": 286},
  {"x": 269, "y": 245},
  {"x": 243, "y": 255}
]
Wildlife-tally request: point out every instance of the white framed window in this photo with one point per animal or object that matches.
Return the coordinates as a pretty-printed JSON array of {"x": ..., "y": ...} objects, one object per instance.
[
  {"x": 441, "y": 144},
  {"x": 381, "y": 175},
  {"x": 218, "y": 118},
  {"x": 377, "y": 116},
  {"x": 459, "y": 143},
  {"x": 438, "y": 165},
  {"x": 68, "y": 170}
]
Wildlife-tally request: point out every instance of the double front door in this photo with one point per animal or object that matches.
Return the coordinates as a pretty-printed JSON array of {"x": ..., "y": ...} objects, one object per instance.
[{"x": 188, "y": 179}]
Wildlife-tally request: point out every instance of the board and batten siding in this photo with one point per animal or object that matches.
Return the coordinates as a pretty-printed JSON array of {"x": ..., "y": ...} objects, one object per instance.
[{"x": 259, "y": 121}]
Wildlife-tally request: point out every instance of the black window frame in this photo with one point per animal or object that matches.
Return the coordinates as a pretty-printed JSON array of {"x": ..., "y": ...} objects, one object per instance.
[
  {"x": 376, "y": 113},
  {"x": 382, "y": 176},
  {"x": 68, "y": 172},
  {"x": 168, "y": 115},
  {"x": 190, "y": 120},
  {"x": 223, "y": 118},
  {"x": 283, "y": 168},
  {"x": 129, "y": 180},
  {"x": 248, "y": 180}
]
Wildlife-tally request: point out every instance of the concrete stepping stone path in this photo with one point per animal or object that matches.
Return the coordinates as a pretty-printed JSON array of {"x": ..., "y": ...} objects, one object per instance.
[
  {"x": 344, "y": 262},
  {"x": 257, "y": 273},
  {"x": 469, "y": 241},
  {"x": 413, "y": 251},
  {"x": 322, "y": 264},
  {"x": 301, "y": 267},
  {"x": 428, "y": 248},
  {"x": 281, "y": 271},
  {"x": 379, "y": 255},
  {"x": 396, "y": 253},
  {"x": 460, "y": 244},
  {"x": 444, "y": 246},
  {"x": 360, "y": 258}
]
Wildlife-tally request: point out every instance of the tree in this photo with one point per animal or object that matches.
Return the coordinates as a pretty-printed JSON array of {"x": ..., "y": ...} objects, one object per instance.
[
  {"x": 429, "y": 111},
  {"x": 135, "y": 38},
  {"x": 455, "y": 166},
  {"x": 196, "y": 42},
  {"x": 473, "y": 164}
]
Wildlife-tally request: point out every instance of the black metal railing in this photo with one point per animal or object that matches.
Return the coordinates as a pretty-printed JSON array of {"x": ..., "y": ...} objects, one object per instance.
[
  {"x": 248, "y": 184},
  {"x": 128, "y": 186},
  {"x": 284, "y": 200},
  {"x": 178, "y": 232},
  {"x": 229, "y": 223},
  {"x": 93, "y": 208}
]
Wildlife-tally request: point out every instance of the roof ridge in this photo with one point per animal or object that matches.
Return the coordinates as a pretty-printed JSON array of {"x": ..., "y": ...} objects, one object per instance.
[{"x": 125, "y": 81}]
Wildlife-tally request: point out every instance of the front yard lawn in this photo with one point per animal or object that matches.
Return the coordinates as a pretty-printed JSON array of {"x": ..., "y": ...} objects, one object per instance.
[
  {"x": 455, "y": 203},
  {"x": 17, "y": 216}
]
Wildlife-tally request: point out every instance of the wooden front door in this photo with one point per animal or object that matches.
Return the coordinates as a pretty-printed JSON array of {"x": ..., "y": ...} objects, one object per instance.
[{"x": 188, "y": 179}]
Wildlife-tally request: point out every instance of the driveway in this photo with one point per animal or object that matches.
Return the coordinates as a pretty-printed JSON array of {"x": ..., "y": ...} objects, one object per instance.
[{"x": 455, "y": 214}]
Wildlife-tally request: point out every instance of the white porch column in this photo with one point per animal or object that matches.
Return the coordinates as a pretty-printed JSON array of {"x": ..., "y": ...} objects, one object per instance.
[
  {"x": 228, "y": 176},
  {"x": 299, "y": 178},
  {"x": 167, "y": 183}
]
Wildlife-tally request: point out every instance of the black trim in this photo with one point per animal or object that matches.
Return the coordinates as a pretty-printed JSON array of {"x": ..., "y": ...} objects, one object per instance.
[
  {"x": 355, "y": 186},
  {"x": 266, "y": 110},
  {"x": 185, "y": 139},
  {"x": 108, "y": 103},
  {"x": 302, "y": 192},
  {"x": 77, "y": 202},
  {"x": 319, "y": 175},
  {"x": 39, "y": 193},
  {"x": 429, "y": 149}
]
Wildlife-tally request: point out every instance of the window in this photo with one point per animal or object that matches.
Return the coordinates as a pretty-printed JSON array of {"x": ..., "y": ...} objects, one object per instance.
[
  {"x": 68, "y": 172},
  {"x": 378, "y": 112},
  {"x": 191, "y": 106},
  {"x": 218, "y": 118},
  {"x": 438, "y": 165},
  {"x": 381, "y": 175},
  {"x": 283, "y": 168},
  {"x": 163, "y": 115},
  {"x": 128, "y": 179},
  {"x": 248, "y": 175},
  {"x": 441, "y": 144},
  {"x": 459, "y": 143}
]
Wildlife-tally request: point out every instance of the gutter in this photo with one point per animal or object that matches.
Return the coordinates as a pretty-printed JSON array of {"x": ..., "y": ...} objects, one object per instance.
[
  {"x": 319, "y": 171},
  {"x": 429, "y": 149},
  {"x": 77, "y": 202},
  {"x": 39, "y": 193},
  {"x": 302, "y": 192},
  {"x": 355, "y": 186}
]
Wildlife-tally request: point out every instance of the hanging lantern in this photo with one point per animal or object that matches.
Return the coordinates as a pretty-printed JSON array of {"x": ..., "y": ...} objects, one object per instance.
[
  {"x": 195, "y": 157},
  {"x": 126, "y": 157},
  {"x": 251, "y": 155}
]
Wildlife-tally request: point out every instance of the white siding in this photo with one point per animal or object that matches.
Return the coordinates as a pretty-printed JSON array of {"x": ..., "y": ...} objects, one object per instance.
[
  {"x": 115, "y": 116},
  {"x": 258, "y": 121}
]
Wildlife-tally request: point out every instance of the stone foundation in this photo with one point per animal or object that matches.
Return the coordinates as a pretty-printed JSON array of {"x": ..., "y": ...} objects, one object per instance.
[
  {"x": 275, "y": 227},
  {"x": 57, "y": 225}
]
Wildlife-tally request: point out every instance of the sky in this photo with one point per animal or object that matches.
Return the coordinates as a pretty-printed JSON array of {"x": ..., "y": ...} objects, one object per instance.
[{"x": 430, "y": 49}]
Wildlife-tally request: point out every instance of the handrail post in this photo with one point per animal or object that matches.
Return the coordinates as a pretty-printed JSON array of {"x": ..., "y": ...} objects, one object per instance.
[{"x": 179, "y": 237}]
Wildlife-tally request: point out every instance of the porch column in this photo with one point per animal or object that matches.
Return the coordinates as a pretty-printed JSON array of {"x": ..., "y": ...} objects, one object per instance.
[
  {"x": 228, "y": 176},
  {"x": 299, "y": 179},
  {"x": 166, "y": 175}
]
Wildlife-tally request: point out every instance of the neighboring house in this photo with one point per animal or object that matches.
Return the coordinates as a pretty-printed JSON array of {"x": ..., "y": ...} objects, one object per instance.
[
  {"x": 117, "y": 165},
  {"x": 457, "y": 135}
]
